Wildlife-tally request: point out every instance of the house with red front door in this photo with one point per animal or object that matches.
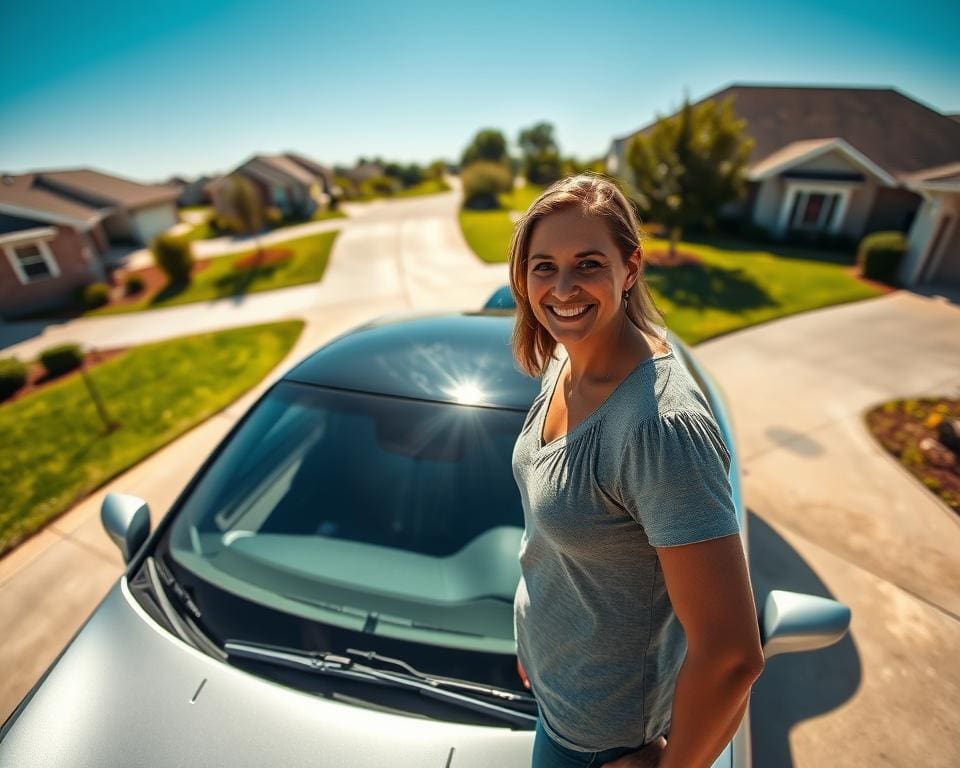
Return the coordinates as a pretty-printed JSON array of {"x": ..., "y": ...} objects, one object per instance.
[{"x": 846, "y": 162}]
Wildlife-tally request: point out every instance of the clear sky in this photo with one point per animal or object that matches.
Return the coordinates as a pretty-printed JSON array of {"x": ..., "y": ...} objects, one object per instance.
[{"x": 149, "y": 89}]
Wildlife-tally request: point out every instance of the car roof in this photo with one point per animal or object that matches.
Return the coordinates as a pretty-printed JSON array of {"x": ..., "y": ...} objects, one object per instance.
[{"x": 450, "y": 357}]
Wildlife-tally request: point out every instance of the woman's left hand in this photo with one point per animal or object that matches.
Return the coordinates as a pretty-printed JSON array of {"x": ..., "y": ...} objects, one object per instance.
[{"x": 647, "y": 756}]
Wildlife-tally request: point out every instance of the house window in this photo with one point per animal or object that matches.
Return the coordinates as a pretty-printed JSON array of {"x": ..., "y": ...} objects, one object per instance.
[
  {"x": 32, "y": 262},
  {"x": 813, "y": 210}
]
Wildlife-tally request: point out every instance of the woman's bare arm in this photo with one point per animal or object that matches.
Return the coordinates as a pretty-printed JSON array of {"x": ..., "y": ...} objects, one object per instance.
[{"x": 709, "y": 587}]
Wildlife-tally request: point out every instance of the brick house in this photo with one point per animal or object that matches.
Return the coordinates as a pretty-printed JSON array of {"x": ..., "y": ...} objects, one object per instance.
[{"x": 59, "y": 231}]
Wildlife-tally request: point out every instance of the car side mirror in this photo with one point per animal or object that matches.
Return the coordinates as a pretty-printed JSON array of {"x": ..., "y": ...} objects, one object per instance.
[
  {"x": 126, "y": 519},
  {"x": 793, "y": 622}
]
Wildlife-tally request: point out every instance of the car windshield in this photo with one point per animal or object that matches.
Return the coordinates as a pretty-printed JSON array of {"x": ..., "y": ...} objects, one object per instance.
[{"x": 386, "y": 515}]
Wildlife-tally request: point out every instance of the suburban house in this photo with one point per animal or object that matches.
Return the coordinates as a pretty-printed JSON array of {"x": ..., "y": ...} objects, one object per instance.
[
  {"x": 60, "y": 230},
  {"x": 292, "y": 183},
  {"x": 847, "y": 162},
  {"x": 192, "y": 191}
]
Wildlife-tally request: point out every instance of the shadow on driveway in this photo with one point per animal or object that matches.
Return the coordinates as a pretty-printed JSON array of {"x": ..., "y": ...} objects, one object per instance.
[{"x": 797, "y": 686}]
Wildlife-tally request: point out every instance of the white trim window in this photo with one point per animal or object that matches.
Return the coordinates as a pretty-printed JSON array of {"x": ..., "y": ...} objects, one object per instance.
[
  {"x": 33, "y": 261},
  {"x": 813, "y": 208}
]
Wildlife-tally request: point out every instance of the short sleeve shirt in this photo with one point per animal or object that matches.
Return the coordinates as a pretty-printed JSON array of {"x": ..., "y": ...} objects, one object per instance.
[{"x": 596, "y": 633}]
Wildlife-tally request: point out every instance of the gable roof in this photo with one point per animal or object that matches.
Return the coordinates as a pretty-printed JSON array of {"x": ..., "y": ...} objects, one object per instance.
[
  {"x": 803, "y": 151},
  {"x": 22, "y": 195},
  {"x": 895, "y": 132},
  {"x": 320, "y": 171},
  {"x": 273, "y": 168},
  {"x": 101, "y": 189}
]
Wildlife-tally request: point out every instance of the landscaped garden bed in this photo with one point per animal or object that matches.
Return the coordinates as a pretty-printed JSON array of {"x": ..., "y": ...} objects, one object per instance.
[
  {"x": 38, "y": 378},
  {"x": 293, "y": 262},
  {"x": 913, "y": 431}
]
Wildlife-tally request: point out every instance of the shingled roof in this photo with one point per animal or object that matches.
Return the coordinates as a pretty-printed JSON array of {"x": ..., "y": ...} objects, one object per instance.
[
  {"x": 23, "y": 195},
  {"x": 102, "y": 189},
  {"x": 899, "y": 134}
]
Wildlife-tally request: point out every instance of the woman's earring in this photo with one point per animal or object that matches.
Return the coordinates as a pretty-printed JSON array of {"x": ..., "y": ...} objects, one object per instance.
[{"x": 626, "y": 296}]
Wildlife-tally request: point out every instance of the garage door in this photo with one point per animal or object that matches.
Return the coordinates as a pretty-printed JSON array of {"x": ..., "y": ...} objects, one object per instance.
[{"x": 151, "y": 221}]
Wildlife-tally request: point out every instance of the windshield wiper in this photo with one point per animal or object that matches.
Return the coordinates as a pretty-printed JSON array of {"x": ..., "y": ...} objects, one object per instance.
[
  {"x": 336, "y": 665},
  {"x": 183, "y": 622},
  {"x": 451, "y": 682}
]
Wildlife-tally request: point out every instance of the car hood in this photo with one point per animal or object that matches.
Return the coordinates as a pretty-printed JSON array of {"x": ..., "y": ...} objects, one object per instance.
[{"x": 127, "y": 693}]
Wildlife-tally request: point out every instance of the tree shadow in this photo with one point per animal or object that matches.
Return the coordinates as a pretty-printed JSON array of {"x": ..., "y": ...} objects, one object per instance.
[
  {"x": 704, "y": 286},
  {"x": 795, "y": 686},
  {"x": 238, "y": 281},
  {"x": 807, "y": 252}
]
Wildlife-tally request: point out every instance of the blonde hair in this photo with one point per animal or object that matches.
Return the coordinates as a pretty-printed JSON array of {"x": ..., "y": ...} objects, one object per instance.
[{"x": 595, "y": 195}]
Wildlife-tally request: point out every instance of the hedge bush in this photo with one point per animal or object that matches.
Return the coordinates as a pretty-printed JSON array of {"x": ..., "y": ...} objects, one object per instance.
[
  {"x": 133, "y": 284},
  {"x": 95, "y": 295},
  {"x": 880, "y": 254},
  {"x": 483, "y": 182},
  {"x": 13, "y": 375},
  {"x": 172, "y": 254},
  {"x": 61, "y": 359}
]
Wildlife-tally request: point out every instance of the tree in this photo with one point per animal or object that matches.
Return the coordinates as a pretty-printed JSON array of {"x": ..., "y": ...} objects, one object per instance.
[
  {"x": 689, "y": 165},
  {"x": 541, "y": 154},
  {"x": 489, "y": 144},
  {"x": 244, "y": 208}
]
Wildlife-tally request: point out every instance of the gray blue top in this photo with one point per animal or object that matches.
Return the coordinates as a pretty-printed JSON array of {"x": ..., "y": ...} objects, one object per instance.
[{"x": 595, "y": 629}]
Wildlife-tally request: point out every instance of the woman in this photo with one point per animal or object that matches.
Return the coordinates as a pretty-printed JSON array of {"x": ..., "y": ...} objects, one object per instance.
[{"x": 634, "y": 615}]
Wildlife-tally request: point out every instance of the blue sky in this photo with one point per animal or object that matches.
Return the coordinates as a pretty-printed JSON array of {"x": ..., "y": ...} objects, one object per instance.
[{"x": 149, "y": 89}]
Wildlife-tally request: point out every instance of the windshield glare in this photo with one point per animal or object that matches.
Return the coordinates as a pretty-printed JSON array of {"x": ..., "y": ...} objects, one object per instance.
[{"x": 400, "y": 517}]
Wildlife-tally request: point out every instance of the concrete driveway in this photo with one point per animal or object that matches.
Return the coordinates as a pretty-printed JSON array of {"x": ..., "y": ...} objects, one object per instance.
[{"x": 832, "y": 514}]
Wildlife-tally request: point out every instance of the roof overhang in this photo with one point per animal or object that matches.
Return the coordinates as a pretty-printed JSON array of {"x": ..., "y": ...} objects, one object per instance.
[
  {"x": 943, "y": 178},
  {"x": 764, "y": 170},
  {"x": 52, "y": 218},
  {"x": 27, "y": 235}
]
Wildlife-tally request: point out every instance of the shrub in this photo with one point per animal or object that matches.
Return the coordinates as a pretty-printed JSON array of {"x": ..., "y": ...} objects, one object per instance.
[
  {"x": 880, "y": 254},
  {"x": 95, "y": 295},
  {"x": 172, "y": 254},
  {"x": 133, "y": 284},
  {"x": 379, "y": 186},
  {"x": 13, "y": 375},
  {"x": 61, "y": 358},
  {"x": 754, "y": 232},
  {"x": 483, "y": 182}
]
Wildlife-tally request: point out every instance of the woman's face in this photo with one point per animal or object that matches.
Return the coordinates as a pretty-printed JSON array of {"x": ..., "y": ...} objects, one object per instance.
[{"x": 575, "y": 268}]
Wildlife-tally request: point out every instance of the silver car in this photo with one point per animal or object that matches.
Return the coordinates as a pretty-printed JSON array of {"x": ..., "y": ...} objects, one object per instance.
[{"x": 334, "y": 586}]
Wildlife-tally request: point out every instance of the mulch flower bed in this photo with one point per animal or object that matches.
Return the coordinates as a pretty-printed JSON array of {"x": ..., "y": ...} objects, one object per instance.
[
  {"x": 154, "y": 281},
  {"x": 912, "y": 431},
  {"x": 37, "y": 377},
  {"x": 265, "y": 258},
  {"x": 662, "y": 258}
]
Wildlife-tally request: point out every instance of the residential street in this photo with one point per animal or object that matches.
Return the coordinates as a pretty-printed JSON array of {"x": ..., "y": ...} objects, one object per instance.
[
  {"x": 832, "y": 514},
  {"x": 409, "y": 251}
]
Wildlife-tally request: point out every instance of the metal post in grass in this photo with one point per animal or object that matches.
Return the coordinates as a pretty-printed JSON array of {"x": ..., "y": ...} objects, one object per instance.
[{"x": 109, "y": 424}]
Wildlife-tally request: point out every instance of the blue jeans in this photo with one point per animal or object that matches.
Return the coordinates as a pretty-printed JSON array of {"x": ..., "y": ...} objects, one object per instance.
[{"x": 548, "y": 754}]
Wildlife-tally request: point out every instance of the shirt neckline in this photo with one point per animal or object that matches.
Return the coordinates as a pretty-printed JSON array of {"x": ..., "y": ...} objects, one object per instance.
[{"x": 563, "y": 439}]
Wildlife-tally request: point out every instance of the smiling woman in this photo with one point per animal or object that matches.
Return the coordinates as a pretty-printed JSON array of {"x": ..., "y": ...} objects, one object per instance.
[{"x": 628, "y": 507}]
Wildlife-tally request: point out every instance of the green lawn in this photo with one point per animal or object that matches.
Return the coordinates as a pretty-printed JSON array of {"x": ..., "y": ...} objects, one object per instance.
[
  {"x": 488, "y": 232},
  {"x": 737, "y": 285},
  {"x": 221, "y": 279},
  {"x": 740, "y": 285},
  {"x": 427, "y": 187},
  {"x": 55, "y": 451}
]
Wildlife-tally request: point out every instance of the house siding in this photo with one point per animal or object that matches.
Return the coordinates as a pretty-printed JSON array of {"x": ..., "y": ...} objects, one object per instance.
[
  {"x": 893, "y": 209},
  {"x": 67, "y": 248}
]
